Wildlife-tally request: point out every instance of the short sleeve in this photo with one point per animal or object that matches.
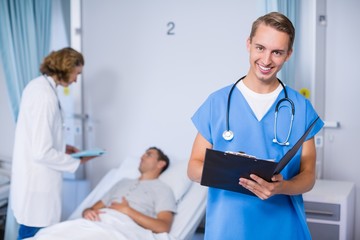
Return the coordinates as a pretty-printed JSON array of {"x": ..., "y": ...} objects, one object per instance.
[
  {"x": 165, "y": 199},
  {"x": 311, "y": 117},
  {"x": 201, "y": 120}
]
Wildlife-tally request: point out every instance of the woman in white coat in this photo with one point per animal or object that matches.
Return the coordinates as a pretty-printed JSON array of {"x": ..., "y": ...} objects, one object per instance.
[{"x": 40, "y": 153}]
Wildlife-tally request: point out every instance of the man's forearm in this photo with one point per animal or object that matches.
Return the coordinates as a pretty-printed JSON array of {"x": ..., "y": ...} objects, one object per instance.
[{"x": 154, "y": 224}]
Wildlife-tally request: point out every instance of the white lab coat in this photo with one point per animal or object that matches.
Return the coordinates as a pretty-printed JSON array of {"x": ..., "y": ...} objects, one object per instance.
[{"x": 39, "y": 156}]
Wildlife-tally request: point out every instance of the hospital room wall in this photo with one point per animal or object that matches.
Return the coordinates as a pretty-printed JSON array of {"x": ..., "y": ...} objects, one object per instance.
[
  {"x": 341, "y": 157},
  {"x": 150, "y": 64},
  {"x": 328, "y": 63}
]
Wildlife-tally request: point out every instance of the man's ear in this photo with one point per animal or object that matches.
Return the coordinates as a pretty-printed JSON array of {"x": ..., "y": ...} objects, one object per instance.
[
  {"x": 161, "y": 164},
  {"x": 248, "y": 43},
  {"x": 289, "y": 54}
]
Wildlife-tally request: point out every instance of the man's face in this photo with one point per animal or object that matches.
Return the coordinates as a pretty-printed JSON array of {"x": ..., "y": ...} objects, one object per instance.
[
  {"x": 149, "y": 161},
  {"x": 268, "y": 51}
]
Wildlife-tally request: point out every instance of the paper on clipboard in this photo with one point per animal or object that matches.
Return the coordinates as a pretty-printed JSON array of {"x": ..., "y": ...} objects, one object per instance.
[{"x": 88, "y": 153}]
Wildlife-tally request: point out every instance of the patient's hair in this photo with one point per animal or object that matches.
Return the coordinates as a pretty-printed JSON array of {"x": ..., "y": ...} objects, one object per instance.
[
  {"x": 277, "y": 21},
  {"x": 162, "y": 157},
  {"x": 62, "y": 63}
]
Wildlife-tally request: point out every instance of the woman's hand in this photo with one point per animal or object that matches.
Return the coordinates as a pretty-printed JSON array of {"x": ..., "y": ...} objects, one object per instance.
[{"x": 71, "y": 149}]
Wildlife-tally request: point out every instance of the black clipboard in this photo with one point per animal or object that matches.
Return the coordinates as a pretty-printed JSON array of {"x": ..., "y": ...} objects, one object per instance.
[{"x": 223, "y": 169}]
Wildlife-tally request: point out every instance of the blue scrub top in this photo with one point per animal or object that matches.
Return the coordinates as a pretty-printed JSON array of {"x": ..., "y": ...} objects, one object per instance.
[{"x": 237, "y": 216}]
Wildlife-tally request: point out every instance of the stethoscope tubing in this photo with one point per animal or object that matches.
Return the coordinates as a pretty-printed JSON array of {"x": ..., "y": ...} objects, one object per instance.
[
  {"x": 56, "y": 95},
  {"x": 229, "y": 135}
]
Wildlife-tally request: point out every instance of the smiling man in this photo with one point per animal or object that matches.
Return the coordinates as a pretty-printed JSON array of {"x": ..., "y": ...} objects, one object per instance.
[{"x": 262, "y": 117}]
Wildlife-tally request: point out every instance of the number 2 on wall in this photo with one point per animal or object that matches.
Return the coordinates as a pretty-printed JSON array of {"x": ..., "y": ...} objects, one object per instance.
[{"x": 171, "y": 28}]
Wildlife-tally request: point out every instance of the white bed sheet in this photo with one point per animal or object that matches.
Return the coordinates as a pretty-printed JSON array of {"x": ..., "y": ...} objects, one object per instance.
[
  {"x": 190, "y": 196},
  {"x": 112, "y": 226}
]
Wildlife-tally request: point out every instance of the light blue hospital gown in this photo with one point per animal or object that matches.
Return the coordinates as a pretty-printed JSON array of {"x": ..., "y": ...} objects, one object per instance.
[{"x": 232, "y": 215}]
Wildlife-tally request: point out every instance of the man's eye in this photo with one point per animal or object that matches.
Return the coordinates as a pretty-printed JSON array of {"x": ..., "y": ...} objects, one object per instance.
[{"x": 277, "y": 53}]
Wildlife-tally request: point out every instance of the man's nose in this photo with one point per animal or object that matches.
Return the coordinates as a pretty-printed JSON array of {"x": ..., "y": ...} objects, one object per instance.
[{"x": 266, "y": 59}]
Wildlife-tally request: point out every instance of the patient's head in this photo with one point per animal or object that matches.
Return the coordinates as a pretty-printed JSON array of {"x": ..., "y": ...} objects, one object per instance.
[{"x": 154, "y": 161}]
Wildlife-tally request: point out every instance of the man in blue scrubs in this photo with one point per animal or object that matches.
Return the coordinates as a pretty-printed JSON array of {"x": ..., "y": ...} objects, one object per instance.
[{"x": 277, "y": 210}]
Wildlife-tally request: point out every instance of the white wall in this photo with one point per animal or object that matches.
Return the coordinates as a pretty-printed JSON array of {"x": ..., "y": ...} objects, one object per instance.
[
  {"x": 341, "y": 158},
  {"x": 141, "y": 86}
]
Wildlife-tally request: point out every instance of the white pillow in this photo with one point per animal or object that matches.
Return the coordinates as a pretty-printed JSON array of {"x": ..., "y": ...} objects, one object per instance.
[
  {"x": 129, "y": 168},
  {"x": 176, "y": 177}
]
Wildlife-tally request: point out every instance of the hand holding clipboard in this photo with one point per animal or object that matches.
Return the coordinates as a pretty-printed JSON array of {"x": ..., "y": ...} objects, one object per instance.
[{"x": 223, "y": 169}]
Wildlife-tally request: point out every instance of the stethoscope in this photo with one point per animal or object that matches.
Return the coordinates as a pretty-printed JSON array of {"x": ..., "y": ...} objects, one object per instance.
[
  {"x": 229, "y": 135},
  {"x": 55, "y": 92}
]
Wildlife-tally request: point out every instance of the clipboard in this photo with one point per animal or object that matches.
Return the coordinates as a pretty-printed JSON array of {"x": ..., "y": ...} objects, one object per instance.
[
  {"x": 223, "y": 169},
  {"x": 88, "y": 153}
]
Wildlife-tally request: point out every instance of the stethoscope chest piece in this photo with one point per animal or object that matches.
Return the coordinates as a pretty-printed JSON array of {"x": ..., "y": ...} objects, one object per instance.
[{"x": 228, "y": 135}]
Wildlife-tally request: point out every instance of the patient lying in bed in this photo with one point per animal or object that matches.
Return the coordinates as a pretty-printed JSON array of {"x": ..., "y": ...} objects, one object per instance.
[{"x": 132, "y": 209}]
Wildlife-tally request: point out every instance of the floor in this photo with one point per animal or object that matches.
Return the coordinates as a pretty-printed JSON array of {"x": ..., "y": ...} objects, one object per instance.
[
  {"x": 198, "y": 236},
  {"x": 199, "y": 233},
  {"x": 200, "y": 230}
]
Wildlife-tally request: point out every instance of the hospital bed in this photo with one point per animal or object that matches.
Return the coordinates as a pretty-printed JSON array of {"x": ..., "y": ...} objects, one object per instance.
[
  {"x": 4, "y": 186},
  {"x": 190, "y": 197},
  {"x": 5, "y": 171}
]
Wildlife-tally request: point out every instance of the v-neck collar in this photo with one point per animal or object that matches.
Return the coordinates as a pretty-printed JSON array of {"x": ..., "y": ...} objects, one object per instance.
[{"x": 249, "y": 108}]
